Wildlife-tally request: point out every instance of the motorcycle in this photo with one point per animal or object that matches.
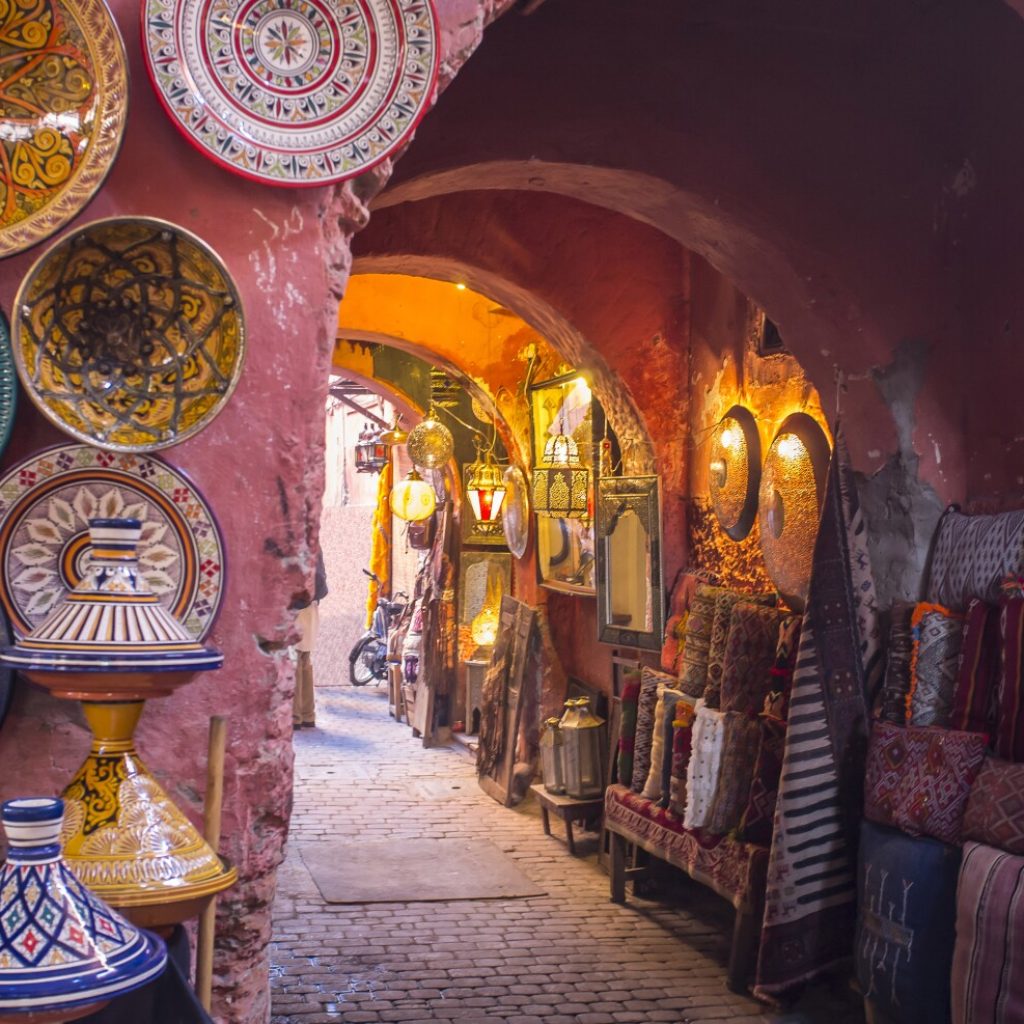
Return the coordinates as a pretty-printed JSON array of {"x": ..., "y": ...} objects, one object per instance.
[{"x": 368, "y": 659}]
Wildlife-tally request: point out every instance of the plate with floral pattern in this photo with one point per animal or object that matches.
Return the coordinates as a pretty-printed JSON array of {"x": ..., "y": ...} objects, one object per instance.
[
  {"x": 293, "y": 92},
  {"x": 46, "y": 502},
  {"x": 64, "y": 82}
]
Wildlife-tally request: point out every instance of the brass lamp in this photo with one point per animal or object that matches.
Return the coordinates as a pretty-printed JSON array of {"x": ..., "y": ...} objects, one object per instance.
[
  {"x": 561, "y": 484},
  {"x": 485, "y": 489},
  {"x": 413, "y": 498}
]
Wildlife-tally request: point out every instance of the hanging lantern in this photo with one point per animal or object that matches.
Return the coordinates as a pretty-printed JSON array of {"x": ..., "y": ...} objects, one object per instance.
[
  {"x": 371, "y": 451},
  {"x": 552, "y": 754},
  {"x": 430, "y": 443},
  {"x": 561, "y": 484},
  {"x": 413, "y": 499},
  {"x": 485, "y": 489},
  {"x": 584, "y": 747}
]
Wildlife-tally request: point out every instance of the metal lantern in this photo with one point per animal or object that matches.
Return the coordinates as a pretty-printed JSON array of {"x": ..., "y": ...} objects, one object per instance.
[
  {"x": 734, "y": 471},
  {"x": 583, "y": 738},
  {"x": 413, "y": 499},
  {"x": 485, "y": 489},
  {"x": 561, "y": 484},
  {"x": 552, "y": 753},
  {"x": 371, "y": 451},
  {"x": 430, "y": 443}
]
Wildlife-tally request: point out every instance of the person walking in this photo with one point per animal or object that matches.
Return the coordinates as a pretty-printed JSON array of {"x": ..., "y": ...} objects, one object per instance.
[{"x": 308, "y": 622}]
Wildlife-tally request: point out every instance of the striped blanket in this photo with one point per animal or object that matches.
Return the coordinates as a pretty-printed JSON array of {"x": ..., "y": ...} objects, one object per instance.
[{"x": 810, "y": 903}]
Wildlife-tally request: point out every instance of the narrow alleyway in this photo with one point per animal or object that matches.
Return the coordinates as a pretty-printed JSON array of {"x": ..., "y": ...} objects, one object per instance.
[{"x": 569, "y": 957}]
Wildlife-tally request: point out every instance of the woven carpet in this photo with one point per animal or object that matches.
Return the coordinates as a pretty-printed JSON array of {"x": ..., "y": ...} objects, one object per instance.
[{"x": 414, "y": 871}]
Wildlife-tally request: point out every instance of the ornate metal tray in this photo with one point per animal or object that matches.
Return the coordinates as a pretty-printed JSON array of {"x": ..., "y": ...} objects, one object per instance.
[
  {"x": 293, "y": 92},
  {"x": 46, "y": 502},
  {"x": 128, "y": 334},
  {"x": 64, "y": 81}
]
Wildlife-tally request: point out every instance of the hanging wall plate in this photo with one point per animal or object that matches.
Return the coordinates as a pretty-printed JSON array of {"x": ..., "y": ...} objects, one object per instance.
[
  {"x": 46, "y": 502},
  {"x": 789, "y": 507},
  {"x": 734, "y": 471},
  {"x": 128, "y": 334},
  {"x": 515, "y": 516},
  {"x": 293, "y": 92},
  {"x": 64, "y": 81}
]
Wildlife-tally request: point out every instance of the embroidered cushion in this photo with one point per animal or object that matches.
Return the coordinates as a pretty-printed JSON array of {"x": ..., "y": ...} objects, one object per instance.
[
  {"x": 666, "y": 707},
  {"x": 705, "y": 763},
  {"x": 906, "y": 900},
  {"x": 977, "y": 680},
  {"x": 918, "y": 780},
  {"x": 651, "y": 683},
  {"x": 988, "y": 958},
  {"x": 896, "y": 685},
  {"x": 693, "y": 676},
  {"x": 934, "y": 664},
  {"x": 627, "y": 728},
  {"x": 972, "y": 556},
  {"x": 682, "y": 747},
  {"x": 1009, "y": 736},
  {"x": 750, "y": 651},
  {"x": 995, "y": 808},
  {"x": 732, "y": 789}
]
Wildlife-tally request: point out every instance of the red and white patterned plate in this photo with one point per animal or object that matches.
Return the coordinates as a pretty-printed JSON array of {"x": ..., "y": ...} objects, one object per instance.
[
  {"x": 46, "y": 502},
  {"x": 293, "y": 92}
]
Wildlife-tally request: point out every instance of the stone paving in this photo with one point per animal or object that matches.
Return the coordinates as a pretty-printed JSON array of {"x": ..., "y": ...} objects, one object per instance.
[{"x": 569, "y": 957}]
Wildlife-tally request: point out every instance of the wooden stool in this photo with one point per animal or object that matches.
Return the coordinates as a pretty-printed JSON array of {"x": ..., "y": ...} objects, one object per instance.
[{"x": 568, "y": 808}]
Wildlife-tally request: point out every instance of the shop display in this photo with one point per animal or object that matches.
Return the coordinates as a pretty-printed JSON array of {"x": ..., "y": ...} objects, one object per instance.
[
  {"x": 46, "y": 503},
  {"x": 734, "y": 471},
  {"x": 65, "y": 89},
  {"x": 789, "y": 504},
  {"x": 307, "y": 93},
  {"x": 63, "y": 952},
  {"x": 128, "y": 334},
  {"x": 630, "y": 596}
]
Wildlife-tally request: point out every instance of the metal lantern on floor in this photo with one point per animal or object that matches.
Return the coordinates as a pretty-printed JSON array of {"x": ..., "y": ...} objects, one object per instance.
[
  {"x": 552, "y": 753},
  {"x": 583, "y": 738}
]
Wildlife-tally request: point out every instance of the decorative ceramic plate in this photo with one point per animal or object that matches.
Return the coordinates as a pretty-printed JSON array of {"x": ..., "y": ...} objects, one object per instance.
[
  {"x": 293, "y": 92},
  {"x": 128, "y": 334},
  {"x": 515, "y": 512},
  {"x": 46, "y": 502},
  {"x": 64, "y": 82},
  {"x": 8, "y": 384}
]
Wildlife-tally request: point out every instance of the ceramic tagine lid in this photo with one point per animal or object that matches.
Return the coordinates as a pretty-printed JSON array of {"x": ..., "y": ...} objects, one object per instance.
[
  {"x": 63, "y": 952},
  {"x": 111, "y": 623}
]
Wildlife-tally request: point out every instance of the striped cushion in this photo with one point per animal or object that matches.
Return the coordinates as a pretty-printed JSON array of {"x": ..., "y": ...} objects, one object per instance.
[{"x": 988, "y": 959}]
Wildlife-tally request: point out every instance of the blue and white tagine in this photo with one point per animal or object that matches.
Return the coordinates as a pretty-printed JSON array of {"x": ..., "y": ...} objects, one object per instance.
[{"x": 63, "y": 952}]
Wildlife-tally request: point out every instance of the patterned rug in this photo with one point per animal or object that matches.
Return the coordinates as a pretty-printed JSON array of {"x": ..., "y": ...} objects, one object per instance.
[{"x": 810, "y": 903}]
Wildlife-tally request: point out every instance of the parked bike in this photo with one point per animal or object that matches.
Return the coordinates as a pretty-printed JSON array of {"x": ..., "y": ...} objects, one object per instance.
[{"x": 368, "y": 659}]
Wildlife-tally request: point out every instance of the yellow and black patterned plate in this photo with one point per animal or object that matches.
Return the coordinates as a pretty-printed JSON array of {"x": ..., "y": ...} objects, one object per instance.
[
  {"x": 129, "y": 334},
  {"x": 63, "y": 104}
]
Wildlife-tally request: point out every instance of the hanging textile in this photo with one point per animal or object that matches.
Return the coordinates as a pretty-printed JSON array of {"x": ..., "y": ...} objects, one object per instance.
[
  {"x": 810, "y": 903},
  {"x": 380, "y": 552}
]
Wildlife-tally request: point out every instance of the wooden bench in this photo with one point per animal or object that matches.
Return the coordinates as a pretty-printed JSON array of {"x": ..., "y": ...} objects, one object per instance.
[{"x": 736, "y": 871}]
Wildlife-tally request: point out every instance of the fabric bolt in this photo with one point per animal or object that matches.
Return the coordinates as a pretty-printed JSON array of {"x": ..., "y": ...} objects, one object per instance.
[
  {"x": 977, "y": 681},
  {"x": 811, "y": 889},
  {"x": 919, "y": 779},
  {"x": 693, "y": 676},
  {"x": 1009, "y": 736},
  {"x": 652, "y": 683},
  {"x": 675, "y": 628},
  {"x": 995, "y": 808},
  {"x": 627, "y": 729},
  {"x": 973, "y": 555},
  {"x": 896, "y": 685},
  {"x": 906, "y": 897},
  {"x": 664, "y": 708},
  {"x": 732, "y": 788},
  {"x": 682, "y": 748},
  {"x": 679, "y": 708},
  {"x": 705, "y": 764},
  {"x": 934, "y": 664},
  {"x": 750, "y": 651},
  {"x": 759, "y": 814},
  {"x": 988, "y": 958}
]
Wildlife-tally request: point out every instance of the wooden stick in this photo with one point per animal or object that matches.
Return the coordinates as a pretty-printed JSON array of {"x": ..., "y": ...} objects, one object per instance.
[{"x": 211, "y": 833}]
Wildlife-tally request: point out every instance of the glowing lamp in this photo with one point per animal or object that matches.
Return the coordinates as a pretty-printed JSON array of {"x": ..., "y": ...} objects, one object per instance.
[
  {"x": 413, "y": 499},
  {"x": 485, "y": 490}
]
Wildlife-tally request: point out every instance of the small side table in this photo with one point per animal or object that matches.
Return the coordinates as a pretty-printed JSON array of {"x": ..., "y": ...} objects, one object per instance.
[{"x": 568, "y": 808}]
